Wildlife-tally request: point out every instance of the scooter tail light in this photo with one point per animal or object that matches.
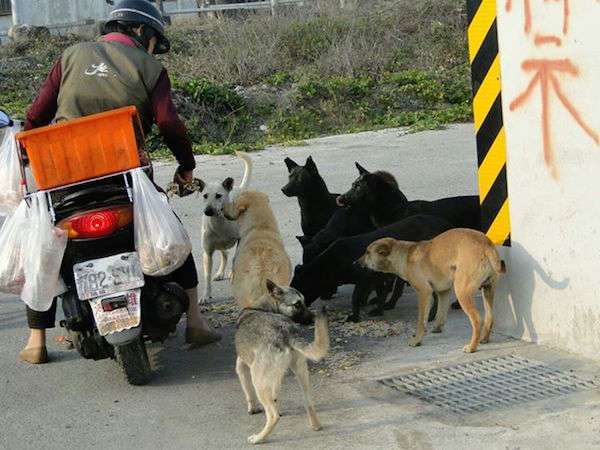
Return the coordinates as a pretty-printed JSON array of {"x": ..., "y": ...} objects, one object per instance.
[{"x": 97, "y": 223}]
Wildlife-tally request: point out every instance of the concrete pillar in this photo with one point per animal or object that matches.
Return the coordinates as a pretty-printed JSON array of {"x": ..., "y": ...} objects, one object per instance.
[{"x": 550, "y": 68}]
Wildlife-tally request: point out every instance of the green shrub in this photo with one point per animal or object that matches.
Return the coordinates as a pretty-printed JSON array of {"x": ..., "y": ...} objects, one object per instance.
[
  {"x": 418, "y": 84},
  {"x": 279, "y": 79},
  {"x": 457, "y": 85},
  {"x": 221, "y": 98},
  {"x": 301, "y": 123},
  {"x": 337, "y": 88}
]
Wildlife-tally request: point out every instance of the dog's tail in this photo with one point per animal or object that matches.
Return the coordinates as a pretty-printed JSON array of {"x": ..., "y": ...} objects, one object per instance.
[
  {"x": 245, "y": 157},
  {"x": 316, "y": 350},
  {"x": 494, "y": 259}
]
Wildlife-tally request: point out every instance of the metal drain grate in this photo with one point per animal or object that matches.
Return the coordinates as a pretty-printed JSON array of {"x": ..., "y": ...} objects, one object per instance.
[{"x": 488, "y": 384}]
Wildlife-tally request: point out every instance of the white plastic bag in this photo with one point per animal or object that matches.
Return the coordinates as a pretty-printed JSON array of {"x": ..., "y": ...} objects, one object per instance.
[
  {"x": 11, "y": 192},
  {"x": 46, "y": 246},
  {"x": 13, "y": 236},
  {"x": 160, "y": 239}
]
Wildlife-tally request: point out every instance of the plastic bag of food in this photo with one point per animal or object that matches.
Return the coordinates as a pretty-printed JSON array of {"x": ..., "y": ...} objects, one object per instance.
[
  {"x": 13, "y": 235},
  {"x": 11, "y": 192},
  {"x": 46, "y": 246},
  {"x": 160, "y": 239}
]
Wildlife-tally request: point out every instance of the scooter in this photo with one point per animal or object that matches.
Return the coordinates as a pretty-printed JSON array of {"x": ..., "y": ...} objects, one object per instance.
[{"x": 111, "y": 309}]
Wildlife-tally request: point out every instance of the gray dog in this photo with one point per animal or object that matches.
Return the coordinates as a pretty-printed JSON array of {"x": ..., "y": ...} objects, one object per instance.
[{"x": 268, "y": 343}]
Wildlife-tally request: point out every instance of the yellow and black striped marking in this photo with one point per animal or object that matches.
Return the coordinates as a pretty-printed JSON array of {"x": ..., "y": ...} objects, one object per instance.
[{"x": 487, "y": 111}]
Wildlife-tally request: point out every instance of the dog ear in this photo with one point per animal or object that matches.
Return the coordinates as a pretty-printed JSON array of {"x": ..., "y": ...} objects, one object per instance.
[
  {"x": 274, "y": 290},
  {"x": 383, "y": 249},
  {"x": 361, "y": 169},
  {"x": 291, "y": 164},
  {"x": 310, "y": 165},
  {"x": 228, "y": 184}
]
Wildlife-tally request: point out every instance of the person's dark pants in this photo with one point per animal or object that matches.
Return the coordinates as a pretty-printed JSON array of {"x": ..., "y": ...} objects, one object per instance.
[{"x": 186, "y": 276}]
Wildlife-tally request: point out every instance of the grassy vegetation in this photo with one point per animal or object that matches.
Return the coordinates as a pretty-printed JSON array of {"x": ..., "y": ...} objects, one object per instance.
[{"x": 241, "y": 83}]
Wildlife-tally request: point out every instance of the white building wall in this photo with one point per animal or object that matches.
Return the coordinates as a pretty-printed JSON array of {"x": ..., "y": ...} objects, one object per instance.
[
  {"x": 52, "y": 13},
  {"x": 179, "y": 5},
  {"x": 58, "y": 12},
  {"x": 552, "y": 292}
]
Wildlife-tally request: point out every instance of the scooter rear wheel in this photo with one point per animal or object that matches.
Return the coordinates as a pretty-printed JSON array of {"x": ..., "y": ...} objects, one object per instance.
[{"x": 134, "y": 362}]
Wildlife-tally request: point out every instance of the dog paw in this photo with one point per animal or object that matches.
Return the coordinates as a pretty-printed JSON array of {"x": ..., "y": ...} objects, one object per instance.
[
  {"x": 414, "y": 341},
  {"x": 316, "y": 426},
  {"x": 436, "y": 329},
  {"x": 484, "y": 340},
  {"x": 255, "y": 439},
  {"x": 469, "y": 349},
  {"x": 254, "y": 410}
]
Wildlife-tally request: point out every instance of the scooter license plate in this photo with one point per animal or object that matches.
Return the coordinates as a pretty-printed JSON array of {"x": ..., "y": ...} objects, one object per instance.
[
  {"x": 105, "y": 276},
  {"x": 117, "y": 312}
]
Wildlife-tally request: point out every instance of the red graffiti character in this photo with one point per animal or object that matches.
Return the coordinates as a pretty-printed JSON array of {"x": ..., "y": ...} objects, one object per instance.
[{"x": 547, "y": 73}]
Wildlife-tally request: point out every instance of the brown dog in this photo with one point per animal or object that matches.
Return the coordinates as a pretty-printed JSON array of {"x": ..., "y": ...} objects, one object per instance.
[
  {"x": 461, "y": 258},
  {"x": 260, "y": 254}
]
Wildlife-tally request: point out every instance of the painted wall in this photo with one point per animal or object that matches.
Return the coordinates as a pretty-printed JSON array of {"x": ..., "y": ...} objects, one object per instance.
[{"x": 550, "y": 70}]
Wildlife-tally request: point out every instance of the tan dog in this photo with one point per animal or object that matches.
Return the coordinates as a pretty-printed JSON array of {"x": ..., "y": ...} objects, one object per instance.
[
  {"x": 461, "y": 258},
  {"x": 260, "y": 254}
]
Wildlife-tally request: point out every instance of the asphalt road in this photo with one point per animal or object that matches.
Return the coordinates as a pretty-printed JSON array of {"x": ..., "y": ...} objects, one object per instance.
[{"x": 195, "y": 400}]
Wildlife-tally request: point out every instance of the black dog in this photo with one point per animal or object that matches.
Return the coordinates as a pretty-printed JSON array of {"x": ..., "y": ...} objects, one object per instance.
[
  {"x": 317, "y": 204},
  {"x": 335, "y": 266},
  {"x": 347, "y": 222},
  {"x": 387, "y": 204},
  {"x": 344, "y": 222}
]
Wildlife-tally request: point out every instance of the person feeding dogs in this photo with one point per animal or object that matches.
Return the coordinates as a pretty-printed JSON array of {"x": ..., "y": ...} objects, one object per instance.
[{"x": 119, "y": 70}]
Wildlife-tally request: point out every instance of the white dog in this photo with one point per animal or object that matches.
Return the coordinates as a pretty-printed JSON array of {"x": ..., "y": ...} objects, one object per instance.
[{"x": 218, "y": 233}]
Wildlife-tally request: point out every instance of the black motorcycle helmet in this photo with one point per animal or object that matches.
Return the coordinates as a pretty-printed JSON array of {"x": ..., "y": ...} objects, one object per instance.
[{"x": 142, "y": 12}]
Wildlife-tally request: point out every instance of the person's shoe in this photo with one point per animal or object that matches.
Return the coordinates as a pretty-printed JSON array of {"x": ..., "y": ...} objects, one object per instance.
[
  {"x": 198, "y": 337},
  {"x": 34, "y": 355}
]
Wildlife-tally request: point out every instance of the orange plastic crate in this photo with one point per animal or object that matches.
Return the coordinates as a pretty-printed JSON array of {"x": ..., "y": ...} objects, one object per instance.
[{"x": 83, "y": 148}]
